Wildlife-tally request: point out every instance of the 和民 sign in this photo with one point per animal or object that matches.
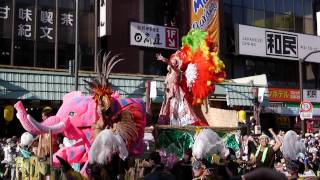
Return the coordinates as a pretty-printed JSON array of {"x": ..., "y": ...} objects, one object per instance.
[{"x": 255, "y": 41}]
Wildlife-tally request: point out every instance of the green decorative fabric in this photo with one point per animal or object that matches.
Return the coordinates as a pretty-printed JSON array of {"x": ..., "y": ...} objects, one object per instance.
[
  {"x": 174, "y": 141},
  {"x": 231, "y": 142}
]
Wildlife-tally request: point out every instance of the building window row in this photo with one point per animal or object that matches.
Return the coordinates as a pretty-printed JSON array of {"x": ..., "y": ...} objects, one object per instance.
[{"x": 28, "y": 30}]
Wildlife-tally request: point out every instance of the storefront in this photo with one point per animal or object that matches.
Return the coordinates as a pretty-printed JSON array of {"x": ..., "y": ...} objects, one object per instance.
[{"x": 285, "y": 103}]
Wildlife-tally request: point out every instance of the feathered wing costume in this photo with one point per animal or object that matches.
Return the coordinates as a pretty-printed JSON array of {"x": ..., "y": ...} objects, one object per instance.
[
  {"x": 120, "y": 127},
  {"x": 207, "y": 142},
  {"x": 193, "y": 71},
  {"x": 293, "y": 150}
]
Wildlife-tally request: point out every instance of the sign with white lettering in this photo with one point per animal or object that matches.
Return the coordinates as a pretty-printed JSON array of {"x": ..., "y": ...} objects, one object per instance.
[
  {"x": 149, "y": 35},
  {"x": 103, "y": 18},
  {"x": 25, "y": 17},
  {"x": 46, "y": 22},
  {"x": 264, "y": 42},
  {"x": 5, "y": 18}
]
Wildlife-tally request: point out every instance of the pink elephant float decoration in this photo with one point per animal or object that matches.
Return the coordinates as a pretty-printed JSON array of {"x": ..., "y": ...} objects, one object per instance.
[{"x": 79, "y": 115}]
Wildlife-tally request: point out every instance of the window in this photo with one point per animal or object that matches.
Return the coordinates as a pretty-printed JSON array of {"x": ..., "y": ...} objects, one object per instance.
[
  {"x": 259, "y": 67},
  {"x": 288, "y": 7},
  {"x": 236, "y": 2},
  {"x": 279, "y": 21},
  {"x": 279, "y": 6},
  {"x": 308, "y": 26},
  {"x": 248, "y": 17},
  {"x": 298, "y": 11},
  {"x": 227, "y": 1},
  {"x": 269, "y": 5},
  {"x": 45, "y": 55},
  {"x": 259, "y": 4},
  {"x": 298, "y": 22},
  {"x": 227, "y": 16},
  {"x": 250, "y": 67},
  {"x": 5, "y": 51},
  {"x": 307, "y": 8},
  {"x": 259, "y": 19},
  {"x": 288, "y": 22},
  {"x": 269, "y": 19},
  {"x": 24, "y": 53},
  {"x": 248, "y": 3},
  {"x": 237, "y": 15}
]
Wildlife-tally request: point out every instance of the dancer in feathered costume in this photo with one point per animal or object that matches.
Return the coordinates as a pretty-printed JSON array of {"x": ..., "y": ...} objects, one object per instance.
[
  {"x": 193, "y": 71},
  {"x": 293, "y": 150}
]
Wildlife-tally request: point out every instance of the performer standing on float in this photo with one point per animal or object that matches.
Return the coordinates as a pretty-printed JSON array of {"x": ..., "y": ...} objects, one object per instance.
[{"x": 193, "y": 71}]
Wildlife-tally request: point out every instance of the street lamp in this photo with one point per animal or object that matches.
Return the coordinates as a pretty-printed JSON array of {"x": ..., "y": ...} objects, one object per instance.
[{"x": 301, "y": 85}]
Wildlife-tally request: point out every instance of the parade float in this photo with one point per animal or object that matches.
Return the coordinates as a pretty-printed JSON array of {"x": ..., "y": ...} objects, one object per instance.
[
  {"x": 103, "y": 124},
  {"x": 193, "y": 72}
]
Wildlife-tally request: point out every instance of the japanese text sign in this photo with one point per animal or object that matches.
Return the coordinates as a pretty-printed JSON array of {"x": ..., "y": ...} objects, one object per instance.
[
  {"x": 149, "y": 35},
  {"x": 284, "y": 95},
  {"x": 264, "y": 42},
  {"x": 5, "y": 18}
]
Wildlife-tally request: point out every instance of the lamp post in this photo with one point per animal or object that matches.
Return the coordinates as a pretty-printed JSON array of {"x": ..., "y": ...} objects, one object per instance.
[
  {"x": 256, "y": 109},
  {"x": 301, "y": 61}
]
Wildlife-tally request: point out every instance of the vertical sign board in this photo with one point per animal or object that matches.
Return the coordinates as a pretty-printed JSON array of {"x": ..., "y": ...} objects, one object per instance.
[
  {"x": 5, "y": 18},
  {"x": 148, "y": 35},
  {"x": 205, "y": 16},
  {"x": 25, "y": 22},
  {"x": 103, "y": 18},
  {"x": 46, "y": 21}
]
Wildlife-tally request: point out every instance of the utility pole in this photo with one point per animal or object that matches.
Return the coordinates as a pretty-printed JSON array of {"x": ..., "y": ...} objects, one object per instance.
[
  {"x": 301, "y": 61},
  {"x": 76, "y": 45}
]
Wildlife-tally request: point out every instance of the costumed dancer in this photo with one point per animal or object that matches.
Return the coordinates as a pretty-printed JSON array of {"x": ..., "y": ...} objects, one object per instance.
[
  {"x": 119, "y": 130},
  {"x": 293, "y": 150},
  {"x": 193, "y": 71}
]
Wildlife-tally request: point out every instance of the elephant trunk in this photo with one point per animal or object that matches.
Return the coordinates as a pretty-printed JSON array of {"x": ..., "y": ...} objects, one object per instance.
[{"x": 31, "y": 125}]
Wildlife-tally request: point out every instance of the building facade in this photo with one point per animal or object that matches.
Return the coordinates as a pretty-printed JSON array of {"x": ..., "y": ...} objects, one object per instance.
[{"x": 269, "y": 37}]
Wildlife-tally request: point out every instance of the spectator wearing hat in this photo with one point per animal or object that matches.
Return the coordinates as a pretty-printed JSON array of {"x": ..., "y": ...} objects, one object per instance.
[
  {"x": 183, "y": 169},
  {"x": 265, "y": 154}
]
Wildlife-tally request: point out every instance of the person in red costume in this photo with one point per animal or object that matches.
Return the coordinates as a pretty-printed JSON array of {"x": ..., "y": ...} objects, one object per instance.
[{"x": 176, "y": 110}]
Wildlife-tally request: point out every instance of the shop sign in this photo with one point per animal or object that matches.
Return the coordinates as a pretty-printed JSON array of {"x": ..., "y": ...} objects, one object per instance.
[
  {"x": 284, "y": 95},
  {"x": 271, "y": 43},
  {"x": 312, "y": 95},
  {"x": 148, "y": 35}
]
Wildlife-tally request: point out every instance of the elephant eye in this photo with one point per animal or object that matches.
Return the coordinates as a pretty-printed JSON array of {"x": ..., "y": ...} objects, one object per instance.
[{"x": 71, "y": 114}]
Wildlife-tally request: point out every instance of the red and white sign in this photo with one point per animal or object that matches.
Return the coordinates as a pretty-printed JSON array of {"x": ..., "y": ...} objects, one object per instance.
[
  {"x": 306, "y": 110},
  {"x": 306, "y": 106},
  {"x": 149, "y": 35},
  {"x": 171, "y": 38}
]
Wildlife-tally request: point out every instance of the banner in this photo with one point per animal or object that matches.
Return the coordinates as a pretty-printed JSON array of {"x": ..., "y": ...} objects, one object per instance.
[
  {"x": 284, "y": 95},
  {"x": 205, "y": 16}
]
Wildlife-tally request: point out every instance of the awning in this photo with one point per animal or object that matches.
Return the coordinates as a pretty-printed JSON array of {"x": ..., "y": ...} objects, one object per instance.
[{"x": 237, "y": 94}]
